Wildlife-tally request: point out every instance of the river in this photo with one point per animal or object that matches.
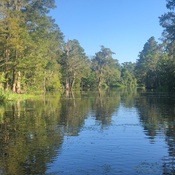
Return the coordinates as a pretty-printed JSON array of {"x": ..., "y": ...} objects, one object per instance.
[{"x": 116, "y": 132}]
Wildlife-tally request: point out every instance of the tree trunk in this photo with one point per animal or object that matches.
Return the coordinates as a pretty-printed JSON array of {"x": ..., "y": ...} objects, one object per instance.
[
  {"x": 44, "y": 82},
  {"x": 18, "y": 82},
  {"x": 7, "y": 54},
  {"x": 99, "y": 82},
  {"x": 6, "y": 86},
  {"x": 67, "y": 85},
  {"x": 14, "y": 82},
  {"x": 73, "y": 82}
]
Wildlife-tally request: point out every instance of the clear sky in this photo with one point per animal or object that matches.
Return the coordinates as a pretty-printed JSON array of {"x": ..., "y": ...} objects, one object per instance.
[{"x": 124, "y": 26}]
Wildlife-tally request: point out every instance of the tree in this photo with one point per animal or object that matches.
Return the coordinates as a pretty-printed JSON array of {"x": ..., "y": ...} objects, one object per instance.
[
  {"x": 74, "y": 64},
  {"x": 167, "y": 22},
  {"x": 128, "y": 74},
  {"x": 146, "y": 66},
  {"x": 44, "y": 69},
  {"x": 105, "y": 67},
  {"x": 30, "y": 42},
  {"x": 88, "y": 81},
  {"x": 14, "y": 38}
]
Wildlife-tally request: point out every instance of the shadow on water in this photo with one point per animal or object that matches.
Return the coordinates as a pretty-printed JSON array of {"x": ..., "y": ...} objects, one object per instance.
[
  {"x": 157, "y": 115},
  {"x": 32, "y": 132},
  {"x": 28, "y": 139}
]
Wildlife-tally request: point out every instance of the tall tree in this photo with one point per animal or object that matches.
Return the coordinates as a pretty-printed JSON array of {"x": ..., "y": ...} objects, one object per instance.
[
  {"x": 30, "y": 42},
  {"x": 14, "y": 38},
  {"x": 167, "y": 21},
  {"x": 74, "y": 64},
  {"x": 146, "y": 66},
  {"x": 105, "y": 67},
  {"x": 44, "y": 56}
]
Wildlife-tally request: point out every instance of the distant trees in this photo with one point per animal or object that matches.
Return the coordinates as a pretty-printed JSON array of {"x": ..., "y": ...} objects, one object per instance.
[
  {"x": 12, "y": 45},
  {"x": 167, "y": 22},
  {"x": 128, "y": 77},
  {"x": 74, "y": 64},
  {"x": 146, "y": 66},
  {"x": 35, "y": 57},
  {"x": 156, "y": 64},
  {"x": 30, "y": 41},
  {"x": 105, "y": 67}
]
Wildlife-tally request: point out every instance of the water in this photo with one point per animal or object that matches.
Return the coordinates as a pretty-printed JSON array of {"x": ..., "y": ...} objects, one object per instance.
[{"x": 89, "y": 133}]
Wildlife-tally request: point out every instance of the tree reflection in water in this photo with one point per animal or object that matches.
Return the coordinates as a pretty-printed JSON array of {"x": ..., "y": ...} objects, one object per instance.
[
  {"x": 157, "y": 114},
  {"x": 29, "y": 138},
  {"x": 32, "y": 132}
]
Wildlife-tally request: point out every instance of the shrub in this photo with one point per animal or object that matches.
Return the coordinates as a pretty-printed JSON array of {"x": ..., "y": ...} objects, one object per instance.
[{"x": 2, "y": 95}]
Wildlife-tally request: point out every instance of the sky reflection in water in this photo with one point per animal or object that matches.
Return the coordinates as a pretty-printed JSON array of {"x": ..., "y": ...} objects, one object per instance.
[{"x": 117, "y": 132}]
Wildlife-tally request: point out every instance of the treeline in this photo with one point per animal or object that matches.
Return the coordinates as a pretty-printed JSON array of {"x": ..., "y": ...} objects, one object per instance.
[
  {"x": 34, "y": 55},
  {"x": 155, "y": 67}
]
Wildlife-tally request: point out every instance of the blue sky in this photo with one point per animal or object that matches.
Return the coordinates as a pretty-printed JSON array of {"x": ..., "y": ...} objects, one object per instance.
[{"x": 124, "y": 26}]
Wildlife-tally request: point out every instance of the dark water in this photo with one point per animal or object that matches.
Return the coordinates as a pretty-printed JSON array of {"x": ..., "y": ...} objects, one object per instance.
[{"x": 107, "y": 133}]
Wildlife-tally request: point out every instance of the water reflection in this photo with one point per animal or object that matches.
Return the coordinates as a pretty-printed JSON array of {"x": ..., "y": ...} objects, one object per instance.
[
  {"x": 106, "y": 102},
  {"x": 157, "y": 114},
  {"x": 32, "y": 133},
  {"x": 29, "y": 138},
  {"x": 74, "y": 111}
]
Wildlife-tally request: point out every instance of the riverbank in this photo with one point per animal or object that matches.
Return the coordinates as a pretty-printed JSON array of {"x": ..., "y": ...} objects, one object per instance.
[{"x": 10, "y": 96}]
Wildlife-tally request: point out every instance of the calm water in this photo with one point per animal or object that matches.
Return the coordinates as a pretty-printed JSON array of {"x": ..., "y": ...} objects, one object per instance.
[{"x": 106, "y": 133}]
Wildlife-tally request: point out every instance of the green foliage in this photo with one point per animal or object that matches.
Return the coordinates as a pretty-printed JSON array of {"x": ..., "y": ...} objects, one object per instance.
[
  {"x": 2, "y": 96},
  {"x": 146, "y": 66},
  {"x": 167, "y": 22},
  {"x": 167, "y": 64},
  {"x": 128, "y": 75},
  {"x": 11, "y": 96},
  {"x": 105, "y": 67},
  {"x": 74, "y": 63},
  {"x": 156, "y": 64},
  {"x": 2, "y": 78},
  {"x": 89, "y": 81},
  {"x": 29, "y": 40},
  {"x": 35, "y": 57}
]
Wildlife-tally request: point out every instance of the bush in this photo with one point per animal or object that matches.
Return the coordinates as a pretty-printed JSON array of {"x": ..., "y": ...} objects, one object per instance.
[{"x": 2, "y": 95}]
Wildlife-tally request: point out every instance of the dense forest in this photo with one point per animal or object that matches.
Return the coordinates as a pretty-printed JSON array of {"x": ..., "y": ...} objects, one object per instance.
[{"x": 35, "y": 57}]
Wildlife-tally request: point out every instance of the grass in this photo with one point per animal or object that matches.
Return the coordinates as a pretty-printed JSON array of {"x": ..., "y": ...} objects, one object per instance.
[{"x": 10, "y": 96}]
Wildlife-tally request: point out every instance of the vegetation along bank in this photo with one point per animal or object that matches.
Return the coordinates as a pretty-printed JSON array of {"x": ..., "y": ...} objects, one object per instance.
[{"x": 35, "y": 57}]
